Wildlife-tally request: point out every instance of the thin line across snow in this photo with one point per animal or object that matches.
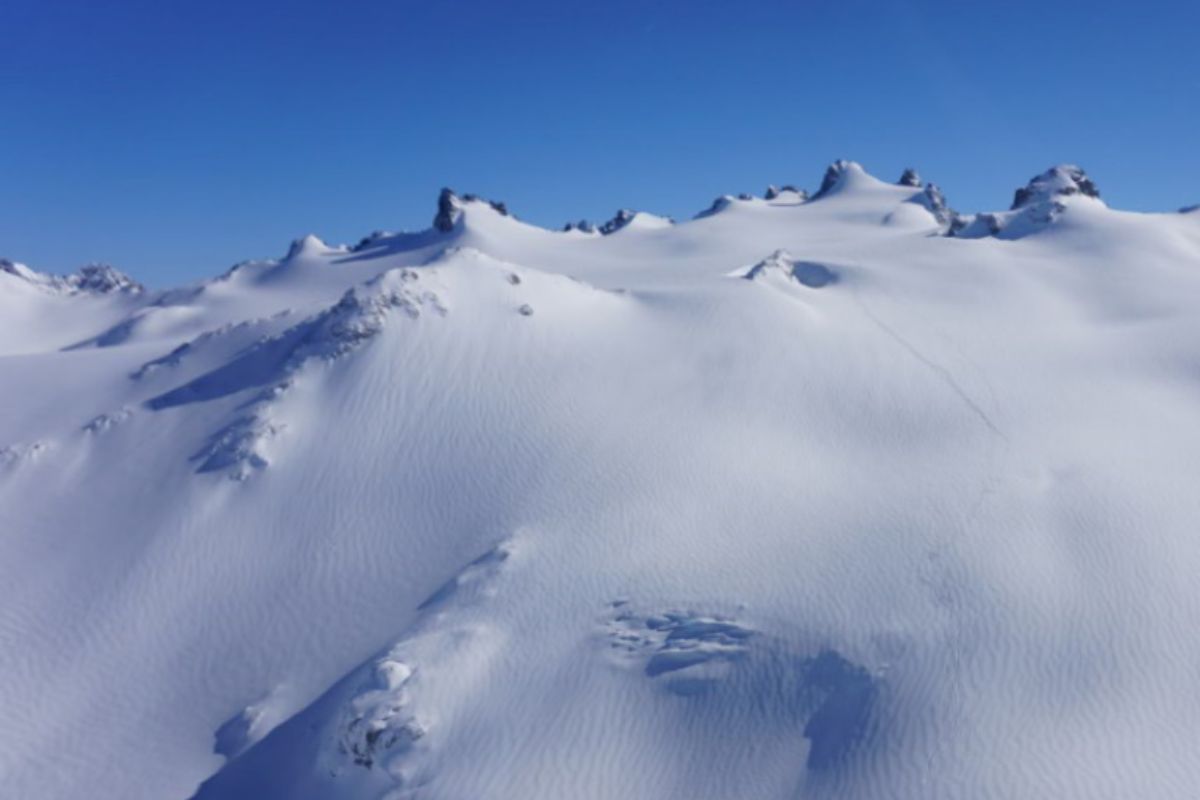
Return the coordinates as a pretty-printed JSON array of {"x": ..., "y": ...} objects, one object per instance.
[{"x": 943, "y": 373}]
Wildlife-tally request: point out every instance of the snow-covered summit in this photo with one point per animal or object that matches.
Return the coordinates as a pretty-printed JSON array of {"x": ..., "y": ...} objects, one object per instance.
[
  {"x": 450, "y": 207},
  {"x": 844, "y": 176},
  {"x": 92, "y": 278},
  {"x": 18, "y": 270},
  {"x": 1063, "y": 180},
  {"x": 308, "y": 246},
  {"x": 627, "y": 218},
  {"x": 1036, "y": 206}
]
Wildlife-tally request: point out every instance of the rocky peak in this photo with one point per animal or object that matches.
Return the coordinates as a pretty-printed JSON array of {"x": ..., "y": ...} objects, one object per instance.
[
  {"x": 774, "y": 191},
  {"x": 833, "y": 175},
  {"x": 910, "y": 178},
  {"x": 619, "y": 220},
  {"x": 449, "y": 211},
  {"x": 305, "y": 246},
  {"x": 450, "y": 208},
  {"x": 93, "y": 278},
  {"x": 102, "y": 279},
  {"x": 933, "y": 199},
  {"x": 15, "y": 268},
  {"x": 1063, "y": 180}
]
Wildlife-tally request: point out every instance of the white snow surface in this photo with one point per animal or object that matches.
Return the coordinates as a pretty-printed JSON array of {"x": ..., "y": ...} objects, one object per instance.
[{"x": 793, "y": 500}]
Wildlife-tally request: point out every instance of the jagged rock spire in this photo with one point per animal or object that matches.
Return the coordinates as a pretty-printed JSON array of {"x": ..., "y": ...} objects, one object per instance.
[
  {"x": 910, "y": 178},
  {"x": 449, "y": 211}
]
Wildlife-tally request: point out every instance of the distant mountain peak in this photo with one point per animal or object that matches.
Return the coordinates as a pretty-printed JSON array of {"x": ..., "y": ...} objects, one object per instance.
[
  {"x": 450, "y": 208},
  {"x": 619, "y": 220},
  {"x": 1062, "y": 180},
  {"x": 306, "y": 246},
  {"x": 91, "y": 278},
  {"x": 910, "y": 177},
  {"x": 836, "y": 175},
  {"x": 102, "y": 279},
  {"x": 19, "y": 270}
]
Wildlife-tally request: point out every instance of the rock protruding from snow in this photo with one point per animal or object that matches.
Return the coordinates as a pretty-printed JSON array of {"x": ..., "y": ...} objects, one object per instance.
[
  {"x": 270, "y": 365},
  {"x": 1190, "y": 209},
  {"x": 498, "y": 206},
  {"x": 1035, "y": 206},
  {"x": 910, "y": 177},
  {"x": 92, "y": 279},
  {"x": 449, "y": 211},
  {"x": 686, "y": 652},
  {"x": 781, "y": 264},
  {"x": 839, "y": 174},
  {"x": 635, "y": 220},
  {"x": 373, "y": 239},
  {"x": 718, "y": 205},
  {"x": 451, "y": 206},
  {"x": 786, "y": 193},
  {"x": 19, "y": 270},
  {"x": 102, "y": 279},
  {"x": 622, "y": 218},
  {"x": 306, "y": 246},
  {"x": 582, "y": 226},
  {"x": 935, "y": 202},
  {"x": 1063, "y": 180},
  {"x": 833, "y": 175}
]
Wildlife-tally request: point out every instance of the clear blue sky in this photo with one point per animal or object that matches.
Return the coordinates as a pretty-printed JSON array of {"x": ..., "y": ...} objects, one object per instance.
[{"x": 173, "y": 138}]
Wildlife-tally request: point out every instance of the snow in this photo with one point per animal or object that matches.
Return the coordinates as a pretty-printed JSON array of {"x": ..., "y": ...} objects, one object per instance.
[{"x": 796, "y": 499}]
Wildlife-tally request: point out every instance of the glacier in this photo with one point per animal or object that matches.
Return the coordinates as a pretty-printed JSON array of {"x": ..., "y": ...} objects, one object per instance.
[{"x": 849, "y": 495}]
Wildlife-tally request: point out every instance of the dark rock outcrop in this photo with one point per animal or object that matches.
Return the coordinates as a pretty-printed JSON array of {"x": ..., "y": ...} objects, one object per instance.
[
  {"x": 774, "y": 191},
  {"x": 449, "y": 211},
  {"x": 910, "y": 178},
  {"x": 1063, "y": 180},
  {"x": 102, "y": 279},
  {"x": 933, "y": 199},
  {"x": 833, "y": 173},
  {"x": 619, "y": 220}
]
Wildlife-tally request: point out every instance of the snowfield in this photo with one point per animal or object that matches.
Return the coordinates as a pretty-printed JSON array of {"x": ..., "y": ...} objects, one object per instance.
[{"x": 841, "y": 497}]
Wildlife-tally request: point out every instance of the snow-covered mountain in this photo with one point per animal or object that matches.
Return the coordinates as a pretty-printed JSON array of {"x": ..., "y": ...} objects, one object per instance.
[{"x": 851, "y": 496}]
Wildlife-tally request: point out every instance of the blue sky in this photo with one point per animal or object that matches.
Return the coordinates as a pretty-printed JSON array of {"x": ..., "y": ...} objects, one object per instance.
[{"x": 174, "y": 138}]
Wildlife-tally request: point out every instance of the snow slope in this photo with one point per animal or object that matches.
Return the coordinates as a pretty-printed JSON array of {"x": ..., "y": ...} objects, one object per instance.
[{"x": 797, "y": 499}]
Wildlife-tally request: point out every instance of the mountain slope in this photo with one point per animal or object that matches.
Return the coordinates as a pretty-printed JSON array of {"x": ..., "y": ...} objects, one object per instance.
[{"x": 493, "y": 511}]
